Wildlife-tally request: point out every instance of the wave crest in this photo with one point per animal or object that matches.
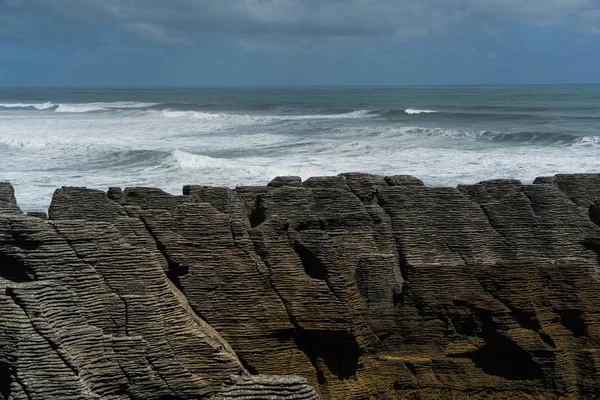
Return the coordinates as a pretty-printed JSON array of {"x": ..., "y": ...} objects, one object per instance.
[
  {"x": 189, "y": 161},
  {"x": 190, "y": 114},
  {"x": 412, "y": 111},
  {"x": 260, "y": 118},
  {"x": 38, "y": 106},
  {"x": 587, "y": 141},
  {"x": 102, "y": 106}
]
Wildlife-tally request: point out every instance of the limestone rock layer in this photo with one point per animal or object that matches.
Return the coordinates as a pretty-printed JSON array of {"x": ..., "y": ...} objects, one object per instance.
[{"x": 348, "y": 287}]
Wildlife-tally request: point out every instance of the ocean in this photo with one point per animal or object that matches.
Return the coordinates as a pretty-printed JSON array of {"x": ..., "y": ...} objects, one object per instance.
[{"x": 169, "y": 137}]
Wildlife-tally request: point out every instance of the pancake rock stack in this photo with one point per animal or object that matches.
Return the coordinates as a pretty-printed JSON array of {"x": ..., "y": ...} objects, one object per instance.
[{"x": 348, "y": 287}]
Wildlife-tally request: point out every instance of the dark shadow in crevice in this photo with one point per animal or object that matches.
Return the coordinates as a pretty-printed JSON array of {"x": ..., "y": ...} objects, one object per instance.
[
  {"x": 465, "y": 325},
  {"x": 526, "y": 319},
  {"x": 312, "y": 265},
  {"x": 173, "y": 277},
  {"x": 5, "y": 372},
  {"x": 363, "y": 279},
  {"x": 338, "y": 350},
  {"x": 500, "y": 356},
  {"x": 174, "y": 268},
  {"x": 398, "y": 294},
  {"x": 594, "y": 212},
  {"x": 592, "y": 245},
  {"x": 284, "y": 335},
  {"x": 258, "y": 214},
  {"x": 573, "y": 321},
  {"x": 547, "y": 339},
  {"x": 14, "y": 269},
  {"x": 404, "y": 266},
  {"x": 247, "y": 366}
]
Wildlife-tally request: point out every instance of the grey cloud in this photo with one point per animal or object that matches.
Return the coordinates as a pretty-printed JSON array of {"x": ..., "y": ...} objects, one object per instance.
[
  {"x": 165, "y": 22},
  {"x": 591, "y": 22},
  {"x": 156, "y": 34},
  {"x": 536, "y": 12},
  {"x": 11, "y": 26}
]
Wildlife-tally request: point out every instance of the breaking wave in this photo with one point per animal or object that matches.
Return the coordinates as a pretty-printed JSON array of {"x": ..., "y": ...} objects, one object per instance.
[
  {"x": 101, "y": 106},
  {"x": 79, "y": 107},
  {"x": 524, "y": 137},
  {"x": 258, "y": 118},
  {"x": 36, "y": 106},
  {"x": 412, "y": 111},
  {"x": 189, "y": 161}
]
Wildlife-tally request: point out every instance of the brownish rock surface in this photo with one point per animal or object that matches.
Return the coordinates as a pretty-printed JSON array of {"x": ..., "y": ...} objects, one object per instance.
[{"x": 365, "y": 286}]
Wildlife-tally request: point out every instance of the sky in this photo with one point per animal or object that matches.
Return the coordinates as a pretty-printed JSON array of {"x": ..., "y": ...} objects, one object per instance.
[{"x": 298, "y": 42}]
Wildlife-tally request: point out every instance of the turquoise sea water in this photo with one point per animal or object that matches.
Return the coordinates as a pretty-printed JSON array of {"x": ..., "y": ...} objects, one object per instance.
[{"x": 169, "y": 137}]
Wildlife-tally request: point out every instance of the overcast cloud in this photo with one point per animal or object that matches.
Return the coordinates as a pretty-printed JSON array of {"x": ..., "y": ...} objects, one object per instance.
[
  {"x": 276, "y": 26},
  {"x": 176, "y": 22}
]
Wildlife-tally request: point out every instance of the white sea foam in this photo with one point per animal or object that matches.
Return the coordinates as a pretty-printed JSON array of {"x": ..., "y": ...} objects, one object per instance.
[
  {"x": 185, "y": 160},
  {"x": 100, "y": 106},
  {"x": 190, "y": 114},
  {"x": 78, "y": 108},
  {"x": 242, "y": 171},
  {"x": 414, "y": 132},
  {"x": 353, "y": 114},
  {"x": 37, "y": 106},
  {"x": 255, "y": 118},
  {"x": 587, "y": 141},
  {"x": 417, "y": 111}
]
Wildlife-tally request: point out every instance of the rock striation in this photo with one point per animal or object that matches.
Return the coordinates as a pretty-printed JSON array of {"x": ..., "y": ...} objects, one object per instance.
[
  {"x": 354, "y": 286},
  {"x": 263, "y": 387}
]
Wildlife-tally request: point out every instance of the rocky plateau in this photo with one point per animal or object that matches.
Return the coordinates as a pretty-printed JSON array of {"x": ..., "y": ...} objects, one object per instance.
[{"x": 353, "y": 286}]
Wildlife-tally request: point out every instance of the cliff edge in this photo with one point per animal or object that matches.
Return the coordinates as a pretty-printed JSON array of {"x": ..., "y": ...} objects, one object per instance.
[{"x": 352, "y": 287}]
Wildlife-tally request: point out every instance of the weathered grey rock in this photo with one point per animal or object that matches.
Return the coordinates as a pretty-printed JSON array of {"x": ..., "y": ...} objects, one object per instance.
[
  {"x": 8, "y": 202},
  {"x": 401, "y": 180},
  {"x": 338, "y": 182},
  {"x": 285, "y": 181},
  {"x": 88, "y": 315},
  {"x": 364, "y": 186},
  {"x": 365, "y": 286},
  {"x": 582, "y": 189},
  {"x": 71, "y": 203},
  {"x": 266, "y": 387},
  {"x": 38, "y": 214}
]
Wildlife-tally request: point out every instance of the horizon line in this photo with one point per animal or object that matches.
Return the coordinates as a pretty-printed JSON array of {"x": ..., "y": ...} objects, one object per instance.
[{"x": 284, "y": 86}]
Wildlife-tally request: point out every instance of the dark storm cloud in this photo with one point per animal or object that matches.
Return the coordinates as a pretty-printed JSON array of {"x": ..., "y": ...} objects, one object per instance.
[{"x": 178, "y": 22}]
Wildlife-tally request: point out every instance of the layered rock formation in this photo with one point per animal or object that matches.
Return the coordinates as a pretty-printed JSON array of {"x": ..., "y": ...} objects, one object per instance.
[{"x": 363, "y": 286}]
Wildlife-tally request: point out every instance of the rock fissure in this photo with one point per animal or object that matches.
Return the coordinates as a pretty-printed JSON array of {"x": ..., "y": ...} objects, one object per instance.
[
  {"x": 457, "y": 252},
  {"x": 175, "y": 268},
  {"x": 62, "y": 355},
  {"x": 291, "y": 317},
  {"x": 88, "y": 264},
  {"x": 23, "y": 387}
]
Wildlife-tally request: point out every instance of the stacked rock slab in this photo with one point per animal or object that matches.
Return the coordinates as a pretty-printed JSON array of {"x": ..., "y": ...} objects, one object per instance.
[
  {"x": 85, "y": 314},
  {"x": 366, "y": 286},
  {"x": 264, "y": 387}
]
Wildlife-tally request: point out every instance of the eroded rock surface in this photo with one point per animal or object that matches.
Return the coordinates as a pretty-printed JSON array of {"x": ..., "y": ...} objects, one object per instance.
[
  {"x": 365, "y": 286},
  {"x": 263, "y": 387}
]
